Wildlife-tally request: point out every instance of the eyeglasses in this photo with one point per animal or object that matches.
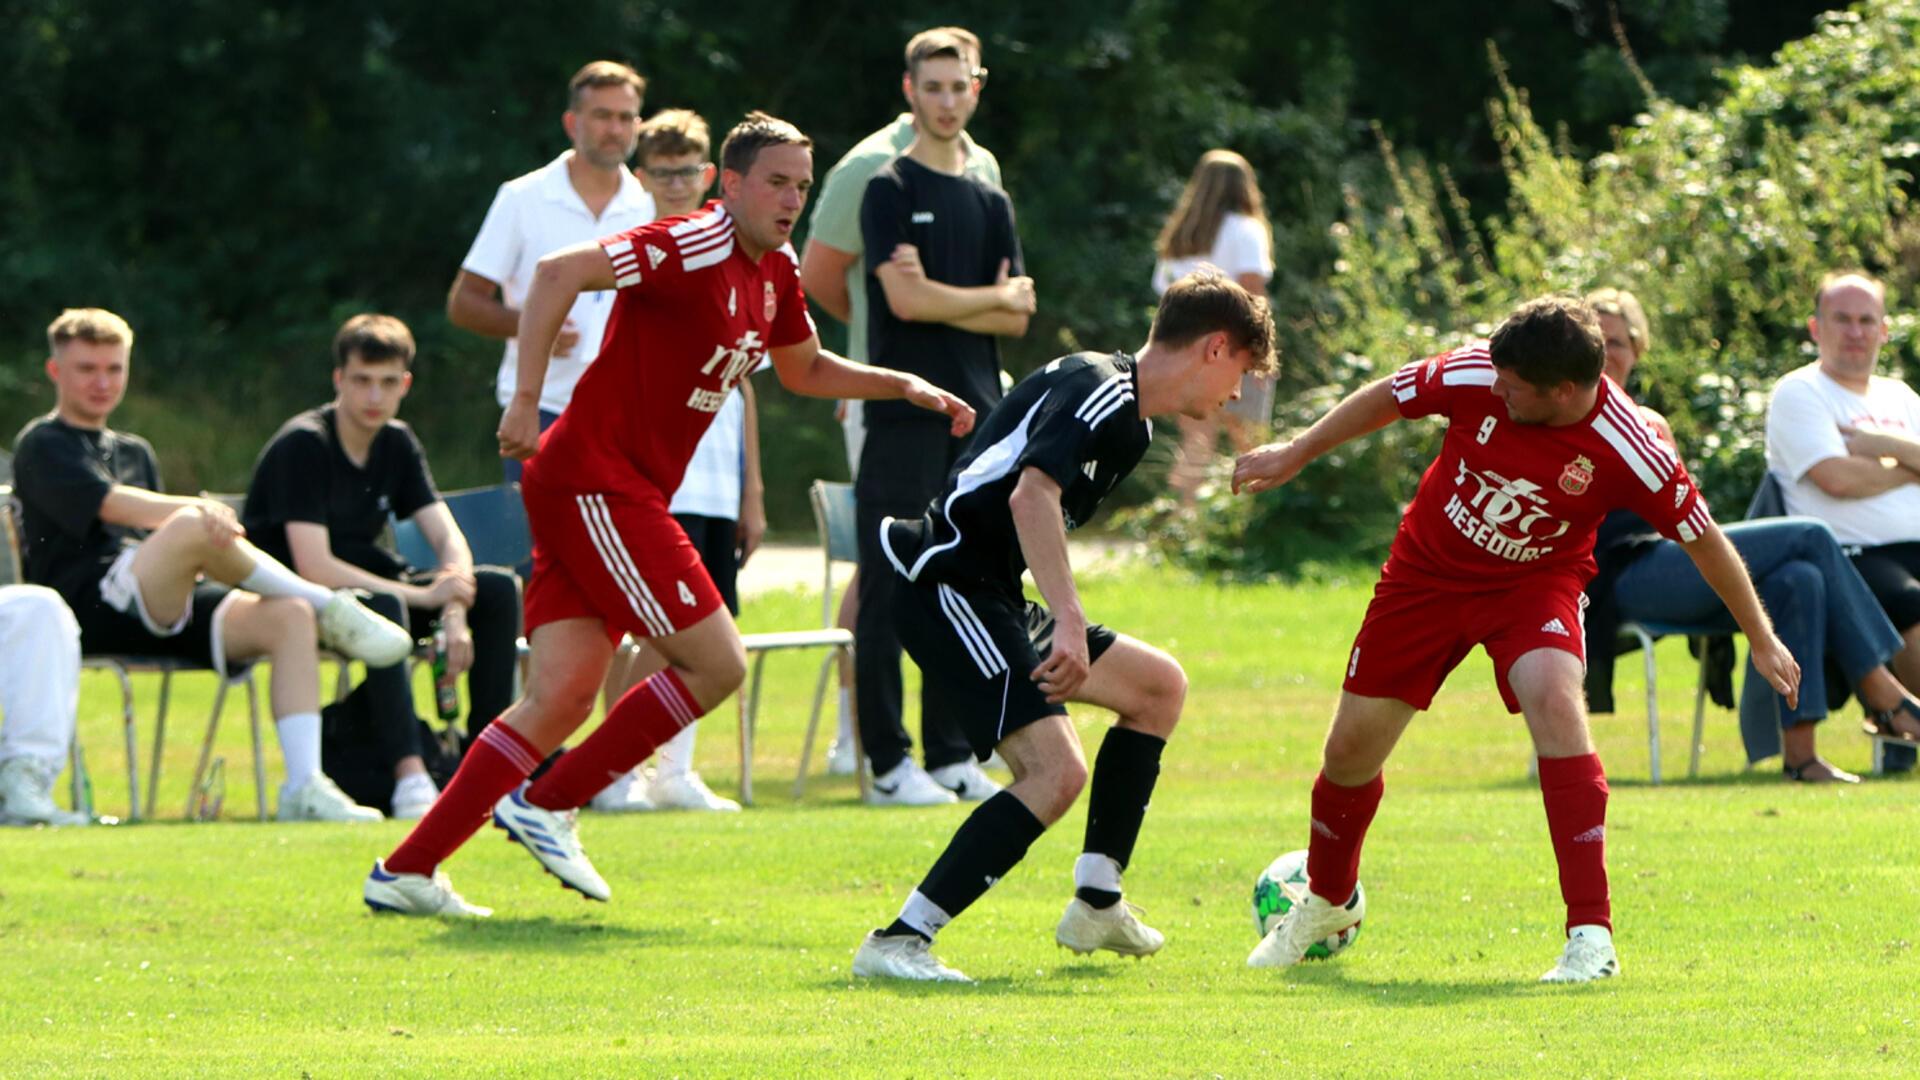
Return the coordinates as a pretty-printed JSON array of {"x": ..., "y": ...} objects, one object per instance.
[{"x": 685, "y": 174}]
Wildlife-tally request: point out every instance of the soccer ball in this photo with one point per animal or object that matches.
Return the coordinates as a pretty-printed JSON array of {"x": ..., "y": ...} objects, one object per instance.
[{"x": 1283, "y": 885}]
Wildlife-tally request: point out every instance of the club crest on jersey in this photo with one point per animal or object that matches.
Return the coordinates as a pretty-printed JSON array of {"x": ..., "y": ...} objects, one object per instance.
[
  {"x": 1578, "y": 474},
  {"x": 767, "y": 307}
]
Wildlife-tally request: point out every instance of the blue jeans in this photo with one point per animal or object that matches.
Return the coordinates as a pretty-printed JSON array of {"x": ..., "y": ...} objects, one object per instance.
[
  {"x": 1819, "y": 604},
  {"x": 510, "y": 468}
]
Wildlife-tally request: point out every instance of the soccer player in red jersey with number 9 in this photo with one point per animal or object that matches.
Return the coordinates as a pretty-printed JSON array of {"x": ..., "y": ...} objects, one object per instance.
[
  {"x": 701, "y": 299},
  {"x": 1494, "y": 552}
]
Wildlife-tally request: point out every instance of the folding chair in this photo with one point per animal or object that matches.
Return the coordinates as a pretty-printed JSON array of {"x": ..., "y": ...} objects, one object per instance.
[
  {"x": 1646, "y": 633},
  {"x": 494, "y": 521}
]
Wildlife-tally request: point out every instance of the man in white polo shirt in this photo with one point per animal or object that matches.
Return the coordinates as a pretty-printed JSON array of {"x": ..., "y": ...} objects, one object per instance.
[
  {"x": 582, "y": 195},
  {"x": 1845, "y": 445}
]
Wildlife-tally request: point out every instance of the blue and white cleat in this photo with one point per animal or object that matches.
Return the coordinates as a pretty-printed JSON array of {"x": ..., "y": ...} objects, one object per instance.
[
  {"x": 416, "y": 894},
  {"x": 552, "y": 837}
]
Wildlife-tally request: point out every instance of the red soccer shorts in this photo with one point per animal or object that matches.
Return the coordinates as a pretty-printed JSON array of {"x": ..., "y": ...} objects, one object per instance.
[
  {"x": 1414, "y": 634},
  {"x": 618, "y": 557}
]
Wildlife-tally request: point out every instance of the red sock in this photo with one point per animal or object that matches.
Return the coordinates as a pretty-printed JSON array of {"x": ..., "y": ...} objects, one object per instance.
[
  {"x": 1340, "y": 819},
  {"x": 644, "y": 717},
  {"x": 495, "y": 764},
  {"x": 1575, "y": 792}
]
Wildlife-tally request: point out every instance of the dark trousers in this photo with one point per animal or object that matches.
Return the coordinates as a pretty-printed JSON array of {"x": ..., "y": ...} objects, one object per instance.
[
  {"x": 902, "y": 468},
  {"x": 495, "y": 623}
]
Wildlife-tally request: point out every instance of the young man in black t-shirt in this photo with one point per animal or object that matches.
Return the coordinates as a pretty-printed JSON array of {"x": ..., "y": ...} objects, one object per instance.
[
  {"x": 139, "y": 568},
  {"x": 323, "y": 491},
  {"x": 942, "y": 253},
  {"x": 1040, "y": 465}
]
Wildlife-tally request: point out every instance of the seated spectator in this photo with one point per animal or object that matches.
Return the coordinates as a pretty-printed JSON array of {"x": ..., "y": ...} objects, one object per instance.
[
  {"x": 719, "y": 503},
  {"x": 322, "y": 492},
  {"x": 150, "y": 574},
  {"x": 1819, "y": 605},
  {"x": 1845, "y": 445},
  {"x": 39, "y": 691}
]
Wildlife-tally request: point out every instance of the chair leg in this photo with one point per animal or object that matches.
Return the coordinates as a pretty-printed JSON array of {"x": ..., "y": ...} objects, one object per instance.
[
  {"x": 1699, "y": 718},
  {"x": 133, "y": 746},
  {"x": 1653, "y": 713},
  {"x": 860, "y": 770},
  {"x": 159, "y": 740},
  {"x": 206, "y": 745},
  {"x": 813, "y": 723},
  {"x": 259, "y": 762},
  {"x": 749, "y": 716}
]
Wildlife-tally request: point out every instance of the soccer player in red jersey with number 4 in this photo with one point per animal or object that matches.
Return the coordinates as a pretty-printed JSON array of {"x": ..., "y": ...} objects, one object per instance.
[
  {"x": 1494, "y": 552},
  {"x": 702, "y": 299}
]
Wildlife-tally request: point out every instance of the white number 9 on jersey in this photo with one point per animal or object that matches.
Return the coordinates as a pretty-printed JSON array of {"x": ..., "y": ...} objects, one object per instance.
[{"x": 1486, "y": 430}]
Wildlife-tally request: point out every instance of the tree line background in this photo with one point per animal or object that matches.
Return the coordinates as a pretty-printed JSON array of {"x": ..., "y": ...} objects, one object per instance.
[{"x": 237, "y": 179}]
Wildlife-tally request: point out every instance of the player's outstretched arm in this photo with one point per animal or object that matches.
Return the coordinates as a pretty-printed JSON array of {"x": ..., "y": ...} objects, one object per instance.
[
  {"x": 807, "y": 369},
  {"x": 1042, "y": 529},
  {"x": 1362, "y": 412},
  {"x": 1720, "y": 565},
  {"x": 557, "y": 281}
]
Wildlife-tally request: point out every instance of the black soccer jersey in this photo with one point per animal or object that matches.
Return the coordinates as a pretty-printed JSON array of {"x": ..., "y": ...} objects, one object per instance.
[
  {"x": 1077, "y": 420},
  {"x": 61, "y": 475}
]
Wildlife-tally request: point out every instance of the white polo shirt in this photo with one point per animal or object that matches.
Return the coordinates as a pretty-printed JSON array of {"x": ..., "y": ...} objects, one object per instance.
[
  {"x": 1803, "y": 429},
  {"x": 533, "y": 216}
]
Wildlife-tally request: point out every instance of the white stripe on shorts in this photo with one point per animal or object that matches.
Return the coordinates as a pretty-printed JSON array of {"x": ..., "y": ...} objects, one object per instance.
[
  {"x": 606, "y": 540},
  {"x": 986, "y": 655}
]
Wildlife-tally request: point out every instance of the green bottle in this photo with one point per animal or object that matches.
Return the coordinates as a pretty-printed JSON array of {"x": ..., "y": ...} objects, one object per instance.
[{"x": 446, "y": 696}]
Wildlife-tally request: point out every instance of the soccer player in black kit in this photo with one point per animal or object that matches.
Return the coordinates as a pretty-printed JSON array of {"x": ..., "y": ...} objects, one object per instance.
[{"x": 1039, "y": 466}]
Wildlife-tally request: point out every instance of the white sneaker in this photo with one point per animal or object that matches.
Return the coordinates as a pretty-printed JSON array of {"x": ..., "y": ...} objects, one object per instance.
[
  {"x": 1084, "y": 928},
  {"x": 965, "y": 779},
  {"x": 1313, "y": 919},
  {"x": 26, "y": 794},
  {"x": 413, "y": 796},
  {"x": 906, "y": 956},
  {"x": 686, "y": 791},
  {"x": 551, "y": 837},
  {"x": 319, "y": 799},
  {"x": 624, "y": 796},
  {"x": 840, "y": 759},
  {"x": 907, "y": 784},
  {"x": 416, "y": 894},
  {"x": 1589, "y": 956},
  {"x": 350, "y": 628}
]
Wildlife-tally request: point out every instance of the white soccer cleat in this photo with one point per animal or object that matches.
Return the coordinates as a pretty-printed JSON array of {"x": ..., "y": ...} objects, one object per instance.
[
  {"x": 551, "y": 837},
  {"x": 840, "y": 758},
  {"x": 965, "y": 780},
  {"x": 1589, "y": 955},
  {"x": 907, "y": 784},
  {"x": 352, "y": 629},
  {"x": 624, "y": 796},
  {"x": 413, "y": 797},
  {"x": 1084, "y": 928},
  {"x": 686, "y": 791},
  {"x": 905, "y": 956},
  {"x": 1312, "y": 920},
  {"x": 26, "y": 794},
  {"x": 416, "y": 894},
  {"x": 319, "y": 799}
]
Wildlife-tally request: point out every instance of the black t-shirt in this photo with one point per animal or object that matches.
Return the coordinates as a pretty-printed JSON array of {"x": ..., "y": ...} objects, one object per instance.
[
  {"x": 61, "y": 475},
  {"x": 963, "y": 227},
  {"x": 1077, "y": 420},
  {"x": 303, "y": 475}
]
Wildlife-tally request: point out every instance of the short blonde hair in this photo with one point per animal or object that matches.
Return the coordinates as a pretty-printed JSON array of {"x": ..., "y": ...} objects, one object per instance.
[
  {"x": 1626, "y": 306},
  {"x": 674, "y": 133},
  {"x": 96, "y": 326}
]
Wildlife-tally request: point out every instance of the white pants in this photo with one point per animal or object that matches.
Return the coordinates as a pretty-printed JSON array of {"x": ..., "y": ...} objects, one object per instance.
[{"x": 39, "y": 674}]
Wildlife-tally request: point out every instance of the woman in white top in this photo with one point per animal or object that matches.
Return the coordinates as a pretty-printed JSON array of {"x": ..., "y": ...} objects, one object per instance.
[{"x": 1220, "y": 221}]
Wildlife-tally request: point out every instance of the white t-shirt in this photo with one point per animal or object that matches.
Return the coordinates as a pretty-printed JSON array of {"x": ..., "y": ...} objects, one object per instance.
[
  {"x": 535, "y": 215},
  {"x": 1241, "y": 247},
  {"x": 715, "y": 473},
  {"x": 1803, "y": 429}
]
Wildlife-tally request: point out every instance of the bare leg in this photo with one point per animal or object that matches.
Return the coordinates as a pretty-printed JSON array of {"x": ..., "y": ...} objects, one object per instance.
[
  {"x": 569, "y": 661},
  {"x": 1141, "y": 683},
  {"x": 280, "y": 629},
  {"x": 1049, "y": 768}
]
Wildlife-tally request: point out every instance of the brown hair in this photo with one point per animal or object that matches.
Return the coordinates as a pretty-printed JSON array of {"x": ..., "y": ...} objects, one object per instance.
[
  {"x": 1835, "y": 277},
  {"x": 1221, "y": 183},
  {"x": 674, "y": 133},
  {"x": 1207, "y": 301},
  {"x": 753, "y": 134},
  {"x": 377, "y": 339},
  {"x": 1625, "y": 306},
  {"x": 95, "y": 326},
  {"x": 605, "y": 73},
  {"x": 949, "y": 41},
  {"x": 1550, "y": 340}
]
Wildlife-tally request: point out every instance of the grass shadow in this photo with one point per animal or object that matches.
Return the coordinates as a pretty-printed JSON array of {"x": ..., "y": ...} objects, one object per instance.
[
  {"x": 1408, "y": 993},
  {"x": 548, "y": 934}
]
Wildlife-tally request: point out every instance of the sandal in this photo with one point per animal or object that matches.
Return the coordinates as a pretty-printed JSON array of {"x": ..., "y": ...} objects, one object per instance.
[
  {"x": 1803, "y": 773},
  {"x": 1880, "y": 724}
]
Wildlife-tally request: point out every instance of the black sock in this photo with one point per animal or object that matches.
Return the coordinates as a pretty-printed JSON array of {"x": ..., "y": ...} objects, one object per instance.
[
  {"x": 993, "y": 839},
  {"x": 896, "y": 928},
  {"x": 1123, "y": 778},
  {"x": 1101, "y": 899}
]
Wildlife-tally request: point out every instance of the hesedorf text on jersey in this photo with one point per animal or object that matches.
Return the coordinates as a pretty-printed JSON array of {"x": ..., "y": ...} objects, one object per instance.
[
  {"x": 1508, "y": 518},
  {"x": 744, "y": 356}
]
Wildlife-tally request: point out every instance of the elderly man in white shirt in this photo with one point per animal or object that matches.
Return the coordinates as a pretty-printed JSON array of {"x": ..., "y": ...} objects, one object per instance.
[
  {"x": 1845, "y": 446},
  {"x": 582, "y": 195}
]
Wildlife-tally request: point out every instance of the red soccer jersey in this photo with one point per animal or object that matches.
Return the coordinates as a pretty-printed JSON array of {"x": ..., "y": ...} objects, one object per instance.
[
  {"x": 1504, "y": 500},
  {"x": 692, "y": 317}
]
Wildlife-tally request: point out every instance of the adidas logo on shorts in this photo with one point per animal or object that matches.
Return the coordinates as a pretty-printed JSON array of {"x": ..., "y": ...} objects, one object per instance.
[{"x": 1555, "y": 626}]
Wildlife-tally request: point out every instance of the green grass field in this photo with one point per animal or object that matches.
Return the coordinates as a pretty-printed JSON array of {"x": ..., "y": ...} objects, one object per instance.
[{"x": 1764, "y": 928}]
